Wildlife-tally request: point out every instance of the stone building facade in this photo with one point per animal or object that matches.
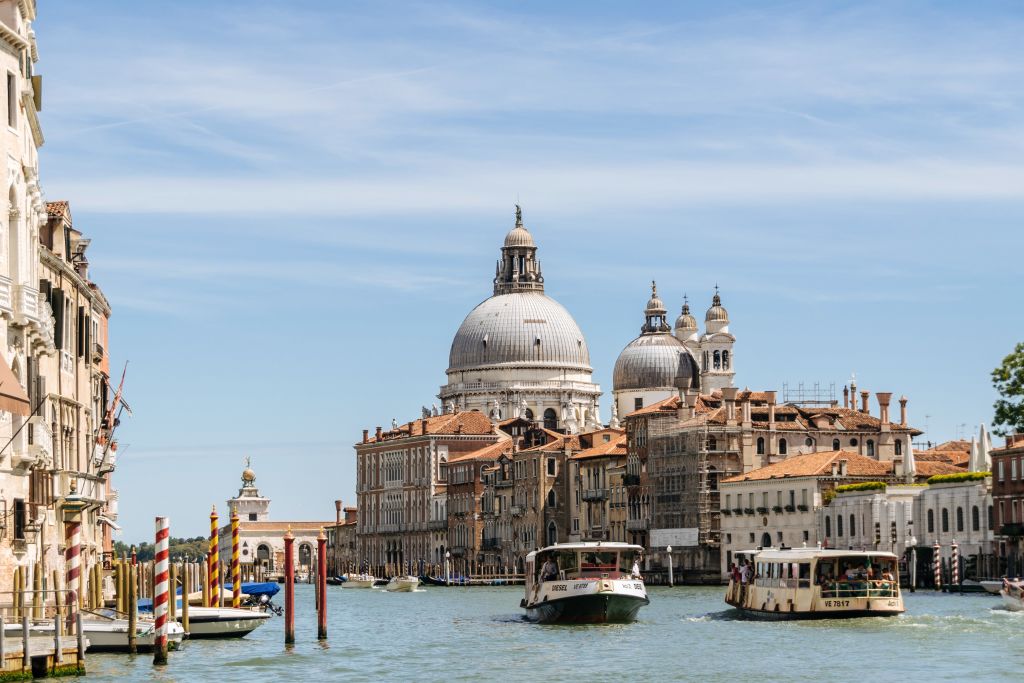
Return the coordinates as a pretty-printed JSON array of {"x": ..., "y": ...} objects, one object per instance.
[{"x": 1008, "y": 497}]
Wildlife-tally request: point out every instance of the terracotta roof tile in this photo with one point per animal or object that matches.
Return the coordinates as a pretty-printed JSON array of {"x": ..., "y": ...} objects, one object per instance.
[
  {"x": 470, "y": 422},
  {"x": 930, "y": 469},
  {"x": 814, "y": 464},
  {"x": 57, "y": 208},
  {"x": 486, "y": 453},
  {"x": 614, "y": 447}
]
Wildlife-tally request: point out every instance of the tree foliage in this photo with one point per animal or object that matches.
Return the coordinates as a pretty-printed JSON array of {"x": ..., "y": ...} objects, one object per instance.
[
  {"x": 179, "y": 548},
  {"x": 1008, "y": 379}
]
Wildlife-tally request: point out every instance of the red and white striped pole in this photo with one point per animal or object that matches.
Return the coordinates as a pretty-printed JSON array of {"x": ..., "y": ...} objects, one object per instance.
[
  {"x": 955, "y": 561},
  {"x": 72, "y": 565},
  {"x": 937, "y": 565},
  {"x": 160, "y": 589}
]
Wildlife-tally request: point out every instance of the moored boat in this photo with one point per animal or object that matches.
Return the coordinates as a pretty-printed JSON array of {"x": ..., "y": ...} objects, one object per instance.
[
  {"x": 815, "y": 583},
  {"x": 223, "y": 622},
  {"x": 584, "y": 583},
  {"x": 107, "y": 631},
  {"x": 358, "y": 581},
  {"x": 402, "y": 584}
]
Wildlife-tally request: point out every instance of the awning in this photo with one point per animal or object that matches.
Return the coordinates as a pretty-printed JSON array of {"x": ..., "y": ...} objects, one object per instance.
[
  {"x": 109, "y": 522},
  {"x": 13, "y": 398}
]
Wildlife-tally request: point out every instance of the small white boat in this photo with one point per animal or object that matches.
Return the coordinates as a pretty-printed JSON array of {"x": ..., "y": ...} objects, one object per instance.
[
  {"x": 402, "y": 584},
  {"x": 993, "y": 586},
  {"x": 106, "y": 631},
  {"x": 223, "y": 622},
  {"x": 358, "y": 581},
  {"x": 1012, "y": 593}
]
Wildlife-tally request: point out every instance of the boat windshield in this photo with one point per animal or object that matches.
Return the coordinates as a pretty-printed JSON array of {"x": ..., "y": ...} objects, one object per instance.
[
  {"x": 857, "y": 577},
  {"x": 585, "y": 564}
]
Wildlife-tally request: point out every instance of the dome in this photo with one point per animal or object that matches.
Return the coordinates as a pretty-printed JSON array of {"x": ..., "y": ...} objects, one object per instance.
[
  {"x": 519, "y": 237},
  {"x": 685, "y": 321},
  {"x": 653, "y": 361},
  {"x": 655, "y": 305},
  {"x": 519, "y": 329},
  {"x": 717, "y": 312}
]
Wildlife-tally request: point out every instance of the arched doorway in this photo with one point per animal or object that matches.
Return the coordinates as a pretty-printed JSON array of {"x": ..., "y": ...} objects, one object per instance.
[
  {"x": 264, "y": 557},
  {"x": 305, "y": 555},
  {"x": 766, "y": 540},
  {"x": 550, "y": 419},
  {"x": 552, "y": 533}
]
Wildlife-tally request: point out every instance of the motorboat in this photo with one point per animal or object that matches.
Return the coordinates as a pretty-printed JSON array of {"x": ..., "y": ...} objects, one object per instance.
[
  {"x": 358, "y": 581},
  {"x": 223, "y": 622},
  {"x": 815, "y": 583},
  {"x": 584, "y": 583},
  {"x": 993, "y": 586},
  {"x": 107, "y": 631},
  {"x": 1012, "y": 593},
  {"x": 402, "y": 584},
  {"x": 335, "y": 580}
]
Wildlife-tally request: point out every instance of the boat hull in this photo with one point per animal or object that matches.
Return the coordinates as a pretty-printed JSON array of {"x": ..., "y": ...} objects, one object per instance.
[
  {"x": 803, "y": 616},
  {"x": 112, "y": 636},
  {"x": 358, "y": 583},
  {"x": 402, "y": 585},
  {"x": 600, "y": 608},
  {"x": 212, "y": 622}
]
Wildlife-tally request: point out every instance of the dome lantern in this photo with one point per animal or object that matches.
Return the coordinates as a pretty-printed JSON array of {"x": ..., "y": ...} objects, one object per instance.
[
  {"x": 654, "y": 313},
  {"x": 686, "y": 324},
  {"x": 518, "y": 270}
]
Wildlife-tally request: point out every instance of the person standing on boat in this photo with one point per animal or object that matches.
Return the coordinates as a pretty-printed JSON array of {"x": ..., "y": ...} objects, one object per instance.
[
  {"x": 636, "y": 568},
  {"x": 549, "y": 571}
]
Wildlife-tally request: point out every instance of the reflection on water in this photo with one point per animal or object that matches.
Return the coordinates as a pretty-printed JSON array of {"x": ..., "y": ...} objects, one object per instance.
[{"x": 455, "y": 634}]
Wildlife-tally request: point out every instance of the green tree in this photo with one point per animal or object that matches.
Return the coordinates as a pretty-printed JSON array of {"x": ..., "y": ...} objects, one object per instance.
[{"x": 1008, "y": 380}]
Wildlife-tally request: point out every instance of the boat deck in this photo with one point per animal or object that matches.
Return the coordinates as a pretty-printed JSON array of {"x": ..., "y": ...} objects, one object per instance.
[{"x": 43, "y": 661}]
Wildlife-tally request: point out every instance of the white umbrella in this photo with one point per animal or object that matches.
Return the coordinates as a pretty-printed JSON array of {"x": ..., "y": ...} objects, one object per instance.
[
  {"x": 984, "y": 459},
  {"x": 972, "y": 462},
  {"x": 911, "y": 467}
]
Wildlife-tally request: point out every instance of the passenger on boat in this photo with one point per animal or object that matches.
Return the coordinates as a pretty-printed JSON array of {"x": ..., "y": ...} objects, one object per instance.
[
  {"x": 549, "y": 572},
  {"x": 636, "y": 568},
  {"x": 744, "y": 579}
]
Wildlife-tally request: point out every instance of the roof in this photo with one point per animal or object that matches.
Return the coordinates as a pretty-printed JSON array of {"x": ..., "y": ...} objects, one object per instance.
[
  {"x": 807, "y": 553},
  {"x": 468, "y": 422},
  {"x": 57, "y": 208},
  {"x": 614, "y": 448},
  {"x": 817, "y": 464},
  {"x": 281, "y": 526},
  {"x": 955, "y": 452},
  {"x": 489, "y": 452},
  {"x": 930, "y": 469}
]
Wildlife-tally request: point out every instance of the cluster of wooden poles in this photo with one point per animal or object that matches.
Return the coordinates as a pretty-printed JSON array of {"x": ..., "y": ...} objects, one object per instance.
[{"x": 289, "y": 587}]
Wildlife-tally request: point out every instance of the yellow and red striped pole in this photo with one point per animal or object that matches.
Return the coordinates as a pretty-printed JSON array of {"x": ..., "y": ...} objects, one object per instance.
[
  {"x": 160, "y": 584},
  {"x": 214, "y": 559},
  {"x": 72, "y": 565},
  {"x": 236, "y": 570}
]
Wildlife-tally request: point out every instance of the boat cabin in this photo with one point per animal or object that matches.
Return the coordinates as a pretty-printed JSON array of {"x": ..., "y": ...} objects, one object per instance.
[{"x": 580, "y": 561}]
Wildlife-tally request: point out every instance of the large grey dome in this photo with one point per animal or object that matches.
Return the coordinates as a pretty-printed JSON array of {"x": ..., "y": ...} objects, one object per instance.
[
  {"x": 519, "y": 329},
  {"x": 654, "y": 361}
]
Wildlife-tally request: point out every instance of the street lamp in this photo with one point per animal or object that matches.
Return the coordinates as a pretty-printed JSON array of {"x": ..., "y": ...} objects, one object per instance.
[
  {"x": 913, "y": 562},
  {"x": 671, "y": 581},
  {"x": 447, "y": 568}
]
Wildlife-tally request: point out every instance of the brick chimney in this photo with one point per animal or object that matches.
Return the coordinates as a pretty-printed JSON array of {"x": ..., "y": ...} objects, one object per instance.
[
  {"x": 853, "y": 395},
  {"x": 729, "y": 396},
  {"x": 903, "y": 411},
  {"x": 864, "y": 406},
  {"x": 366, "y": 435},
  {"x": 379, "y": 432},
  {"x": 884, "y": 398},
  {"x": 691, "y": 402},
  {"x": 771, "y": 409},
  {"x": 842, "y": 467},
  {"x": 746, "y": 410},
  {"x": 423, "y": 426},
  {"x": 846, "y": 396}
]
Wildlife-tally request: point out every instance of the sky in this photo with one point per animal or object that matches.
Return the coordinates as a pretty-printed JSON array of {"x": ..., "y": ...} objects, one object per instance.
[{"x": 292, "y": 206}]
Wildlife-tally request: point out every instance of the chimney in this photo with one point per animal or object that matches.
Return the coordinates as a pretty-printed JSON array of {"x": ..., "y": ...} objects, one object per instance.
[
  {"x": 897, "y": 466},
  {"x": 771, "y": 409},
  {"x": 853, "y": 395},
  {"x": 903, "y": 411},
  {"x": 846, "y": 396},
  {"x": 746, "y": 409},
  {"x": 864, "y": 407},
  {"x": 729, "y": 396},
  {"x": 379, "y": 431},
  {"x": 366, "y": 435},
  {"x": 691, "y": 402},
  {"x": 423, "y": 426},
  {"x": 350, "y": 515},
  {"x": 842, "y": 467},
  {"x": 835, "y": 469},
  {"x": 884, "y": 397}
]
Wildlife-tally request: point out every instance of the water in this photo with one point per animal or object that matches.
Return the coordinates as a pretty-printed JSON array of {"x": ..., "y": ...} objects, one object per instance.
[{"x": 466, "y": 634}]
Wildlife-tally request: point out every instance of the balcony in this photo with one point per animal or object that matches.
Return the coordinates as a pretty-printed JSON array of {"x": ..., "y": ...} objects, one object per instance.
[
  {"x": 90, "y": 489},
  {"x": 638, "y": 524},
  {"x": 437, "y": 524},
  {"x": 595, "y": 494},
  {"x": 458, "y": 551},
  {"x": 104, "y": 459},
  {"x": 6, "y": 295},
  {"x": 97, "y": 352},
  {"x": 502, "y": 483},
  {"x": 517, "y": 510},
  {"x": 491, "y": 544},
  {"x": 40, "y": 440}
]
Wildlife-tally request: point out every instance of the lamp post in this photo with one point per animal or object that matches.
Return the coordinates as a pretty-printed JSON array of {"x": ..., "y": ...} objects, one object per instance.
[
  {"x": 447, "y": 568},
  {"x": 913, "y": 562},
  {"x": 671, "y": 581}
]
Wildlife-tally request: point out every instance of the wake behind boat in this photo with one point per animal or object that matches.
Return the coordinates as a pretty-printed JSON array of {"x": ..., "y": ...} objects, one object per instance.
[
  {"x": 584, "y": 583},
  {"x": 1012, "y": 594}
]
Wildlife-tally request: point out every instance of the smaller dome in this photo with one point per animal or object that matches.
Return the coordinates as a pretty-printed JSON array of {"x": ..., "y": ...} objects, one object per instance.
[
  {"x": 655, "y": 306},
  {"x": 717, "y": 312},
  {"x": 685, "y": 321},
  {"x": 519, "y": 236}
]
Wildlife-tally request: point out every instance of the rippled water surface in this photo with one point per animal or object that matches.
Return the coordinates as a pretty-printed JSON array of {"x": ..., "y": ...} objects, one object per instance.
[{"x": 462, "y": 634}]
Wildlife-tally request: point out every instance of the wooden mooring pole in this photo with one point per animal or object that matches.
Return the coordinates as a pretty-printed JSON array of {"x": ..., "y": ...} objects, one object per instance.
[
  {"x": 321, "y": 584},
  {"x": 289, "y": 588}
]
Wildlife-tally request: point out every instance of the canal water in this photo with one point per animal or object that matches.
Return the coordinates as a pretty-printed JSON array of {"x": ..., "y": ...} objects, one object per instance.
[{"x": 469, "y": 634}]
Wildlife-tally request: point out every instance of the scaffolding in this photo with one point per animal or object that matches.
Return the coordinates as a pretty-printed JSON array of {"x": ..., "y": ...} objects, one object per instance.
[{"x": 815, "y": 395}]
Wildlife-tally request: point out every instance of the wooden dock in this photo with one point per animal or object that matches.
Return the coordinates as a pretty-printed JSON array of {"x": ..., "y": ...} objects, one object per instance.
[{"x": 42, "y": 660}]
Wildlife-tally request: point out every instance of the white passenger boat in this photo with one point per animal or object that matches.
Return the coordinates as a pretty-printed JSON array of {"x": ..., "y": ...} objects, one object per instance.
[
  {"x": 107, "y": 631},
  {"x": 358, "y": 581},
  {"x": 583, "y": 583},
  {"x": 402, "y": 584},
  {"x": 815, "y": 583},
  {"x": 223, "y": 622},
  {"x": 1012, "y": 593}
]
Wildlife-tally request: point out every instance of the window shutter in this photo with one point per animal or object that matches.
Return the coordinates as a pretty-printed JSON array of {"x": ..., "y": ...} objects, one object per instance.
[
  {"x": 45, "y": 287},
  {"x": 57, "y": 304},
  {"x": 87, "y": 322},
  {"x": 81, "y": 331}
]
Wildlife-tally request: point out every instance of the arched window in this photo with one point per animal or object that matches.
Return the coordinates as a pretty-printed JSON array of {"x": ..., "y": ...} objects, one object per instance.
[
  {"x": 528, "y": 414},
  {"x": 551, "y": 498},
  {"x": 725, "y": 360},
  {"x": 552, "y": 533},
  {"x": 835, "y": 444},
  {"x": 975, "y": 519},
  {"x": 264, "y": 557},
  {"x": 839, "y": 526},
  {"x": 305, "y": 555},
  {"x": 718, "y": 361},
  {"x": 945, "y": 519},
  {"x": 550, "y": 419},
  {"x": 931, "y": 521},
  {"x": 959, "y": 519},
  {"x": 899, "y": 447},
  {"x": 853, "y": 526},
  {"x": 766, "y": 540},
  {"x": 828, "y": 527},
  {"x": 760, "y": 445},
  {"x": 783, "y": 447},
  {"x": 871, "y": 448}
]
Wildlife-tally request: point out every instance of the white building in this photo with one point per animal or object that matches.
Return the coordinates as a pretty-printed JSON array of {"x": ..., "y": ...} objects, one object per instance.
[{"x": 520, "y": 353}]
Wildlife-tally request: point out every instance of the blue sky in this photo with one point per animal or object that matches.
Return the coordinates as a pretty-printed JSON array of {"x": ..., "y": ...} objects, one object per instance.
[{"x": 293, "y": 207}]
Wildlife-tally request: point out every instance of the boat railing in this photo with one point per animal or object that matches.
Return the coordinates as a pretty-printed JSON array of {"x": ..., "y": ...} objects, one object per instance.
[{"x": 860, "y": 589}]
